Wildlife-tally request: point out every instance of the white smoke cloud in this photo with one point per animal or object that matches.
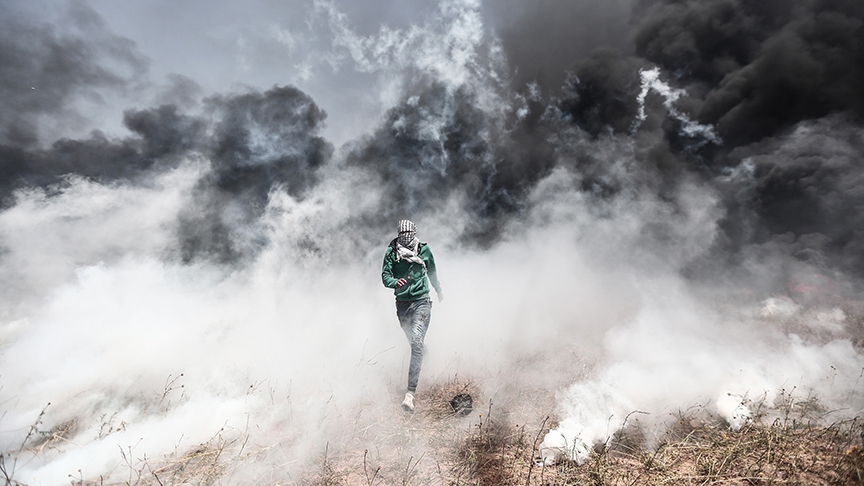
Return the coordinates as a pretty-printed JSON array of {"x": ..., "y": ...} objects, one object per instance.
[
  {"x": 446, "y": 47},
  {"x": 678, "y": 351},
  {"x": 109, "y": 317},
  {"x": 651, "y": 82},
  {"x": 285, "y": 348},
  {"x": 289, "y": 338},
  {"x": 452, "y": 48},
  {"x": 46, "y": 237}
]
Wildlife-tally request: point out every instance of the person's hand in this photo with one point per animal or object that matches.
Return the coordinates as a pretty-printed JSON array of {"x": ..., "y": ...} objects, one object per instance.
[
  {"x": 440, "y": 296},
  {"x": 400, "y": 283}
]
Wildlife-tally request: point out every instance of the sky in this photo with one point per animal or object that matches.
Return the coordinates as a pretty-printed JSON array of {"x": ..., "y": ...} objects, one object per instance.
[
  {"x": 225, "y": 46},
  {"x": 634, "y": 205}
]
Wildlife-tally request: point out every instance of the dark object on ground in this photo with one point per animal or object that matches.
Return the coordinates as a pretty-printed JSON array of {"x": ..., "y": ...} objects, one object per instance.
[{"x": 461, "y": 404}]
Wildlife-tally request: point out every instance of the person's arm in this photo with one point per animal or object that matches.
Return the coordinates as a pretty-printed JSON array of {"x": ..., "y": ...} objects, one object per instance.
[
  {"x": 387, "y": 277},
  {"x": 387, "y": 270},
  {"x": 432, "y": 272}
]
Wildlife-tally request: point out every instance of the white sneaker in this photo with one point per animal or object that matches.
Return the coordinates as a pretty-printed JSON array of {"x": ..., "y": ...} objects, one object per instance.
[{"x": 408, "y": 403}]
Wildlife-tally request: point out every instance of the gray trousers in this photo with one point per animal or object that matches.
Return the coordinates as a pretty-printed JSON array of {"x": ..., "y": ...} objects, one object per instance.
[{"x": 414, "y": 318}]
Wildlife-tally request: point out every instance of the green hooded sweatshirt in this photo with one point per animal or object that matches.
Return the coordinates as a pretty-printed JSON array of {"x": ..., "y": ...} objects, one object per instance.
[{"x": 418, "y": 286}]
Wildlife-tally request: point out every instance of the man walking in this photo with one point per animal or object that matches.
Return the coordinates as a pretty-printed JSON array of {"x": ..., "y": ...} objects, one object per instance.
[{"x": 408, "y": 268}]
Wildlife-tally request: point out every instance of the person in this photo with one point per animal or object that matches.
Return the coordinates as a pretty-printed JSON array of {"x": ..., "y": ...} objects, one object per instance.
[{"x": 408, "y": 269}]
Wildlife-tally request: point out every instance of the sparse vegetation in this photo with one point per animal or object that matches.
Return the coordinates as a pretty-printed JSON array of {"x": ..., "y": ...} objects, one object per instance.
[
  {"x": 791, "y": 445},
  {"x": 789, "y": 442}
]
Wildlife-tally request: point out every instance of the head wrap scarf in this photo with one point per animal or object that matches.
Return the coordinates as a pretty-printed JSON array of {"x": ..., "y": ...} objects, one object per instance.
[
  {"x": 407, "y": 232},
  {"x": 407, "y": 243}
]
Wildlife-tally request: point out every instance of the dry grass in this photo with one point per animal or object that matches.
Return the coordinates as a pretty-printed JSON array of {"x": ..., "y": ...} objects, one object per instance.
[
  {"x": 201, "y": 465},
  {"x": 711, "y": 455},
  {"x": 695, "y": 449},
  {"x": 414, "y": 449},
  {"x": 789, "y": 442}
]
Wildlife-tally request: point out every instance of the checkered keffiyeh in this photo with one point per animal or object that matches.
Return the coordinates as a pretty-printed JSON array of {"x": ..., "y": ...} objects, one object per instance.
[
  {"x": 407, "y": 232},
  {"x": 407, "y": 243}
]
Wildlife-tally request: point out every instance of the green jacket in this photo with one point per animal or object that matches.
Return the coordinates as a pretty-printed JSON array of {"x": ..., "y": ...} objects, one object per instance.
[{"x": 418, "y": 285}]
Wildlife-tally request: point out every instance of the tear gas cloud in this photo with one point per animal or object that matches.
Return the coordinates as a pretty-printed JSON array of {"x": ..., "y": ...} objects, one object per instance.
[{"x": 652, "y": 224}]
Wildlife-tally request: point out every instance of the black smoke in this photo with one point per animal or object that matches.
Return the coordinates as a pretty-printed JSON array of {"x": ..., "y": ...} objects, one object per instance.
[
  {"x": 765, "y": 65},
  {"x": 437, "y": 144},
  {"x": 600, "y": 96},
  {"x": 545, "y": 38},
  {"x": 260, "y": 141},
  {"x": 253, "y": 141},
  {"x": 803, "y": 192},
  {"x": 45, "y": 67},
  {"x": 780, "y": 82}
]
